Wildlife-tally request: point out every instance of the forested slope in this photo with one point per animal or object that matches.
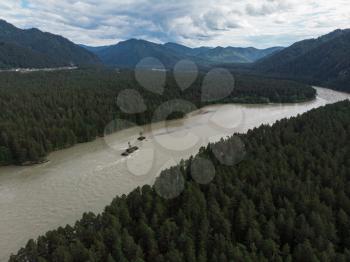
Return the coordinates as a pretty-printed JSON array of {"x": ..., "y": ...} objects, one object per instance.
[
  {"x": 322, "y": 61},
  {"x": 46, "y": 111},
  {"x": 13, "y": 55},
  {"x": 36, "y": 49},
  {"x": 288, "y": 200}
]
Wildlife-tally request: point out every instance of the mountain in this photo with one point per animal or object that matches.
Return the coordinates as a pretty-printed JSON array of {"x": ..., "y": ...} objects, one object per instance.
[
  {"x": 129, "y": 53},
  {"x": 236, "y": 54},
  {"x": 186, "y": 50},
  {"x": 324, "y": 61},
  {"x": 34, "y": 48},
  {"x": 181, "y": 49}
]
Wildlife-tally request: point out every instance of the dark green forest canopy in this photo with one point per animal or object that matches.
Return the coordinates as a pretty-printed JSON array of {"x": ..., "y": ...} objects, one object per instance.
[
  {"x": 288, "y": 200},
  {"x": 46, "y": 111}
]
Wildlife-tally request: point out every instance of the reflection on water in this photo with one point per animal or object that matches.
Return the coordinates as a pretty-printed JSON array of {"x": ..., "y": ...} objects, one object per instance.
[{"x": 87, "y": 176}]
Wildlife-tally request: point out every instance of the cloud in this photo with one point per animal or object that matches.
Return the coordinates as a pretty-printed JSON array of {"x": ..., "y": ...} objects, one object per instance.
[
  {"x": 264, "y": 8},
  {"x": 259, "y": 23},
  {"x": 217, "y": 19}
]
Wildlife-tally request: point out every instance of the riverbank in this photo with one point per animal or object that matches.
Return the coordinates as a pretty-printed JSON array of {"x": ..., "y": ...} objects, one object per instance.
[
  {"x": 177, "y": 115},
  {"x": 75, "y": 106}
]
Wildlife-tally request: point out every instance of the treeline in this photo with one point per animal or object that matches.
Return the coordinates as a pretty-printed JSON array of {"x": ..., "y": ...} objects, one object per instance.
[
  {"x": 288, "y": 200},
  {"x": 46, "y": 111}
]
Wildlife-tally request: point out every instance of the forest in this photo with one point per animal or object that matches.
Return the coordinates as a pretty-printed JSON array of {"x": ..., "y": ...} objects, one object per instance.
[
  {"x": 287, "y": 200},
  {"x": 46, "y": 111}
]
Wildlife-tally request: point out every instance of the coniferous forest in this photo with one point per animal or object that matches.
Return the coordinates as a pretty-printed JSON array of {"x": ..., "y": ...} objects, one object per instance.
[
  {"x": 46, "y": 111},
  {"x": 288, "y": 200}
]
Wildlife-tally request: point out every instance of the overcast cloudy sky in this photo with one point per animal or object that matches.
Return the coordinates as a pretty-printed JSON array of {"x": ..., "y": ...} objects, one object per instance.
[{"x": 259, "y": 23}]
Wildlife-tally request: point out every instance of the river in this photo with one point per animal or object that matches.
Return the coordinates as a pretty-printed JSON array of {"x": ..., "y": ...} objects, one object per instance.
[{"x": 88, "y": 176}]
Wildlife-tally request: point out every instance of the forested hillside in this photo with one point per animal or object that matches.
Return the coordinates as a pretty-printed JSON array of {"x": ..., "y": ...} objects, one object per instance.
[
  {"x": 222, "y": 55},
  {"x": 36, "y": 49},
  {"x": 288, "y": 200},
  {"x": 46, "y": 111},
  {"x": 321, "y": 61},
  {"x": 12, "y": 55}
]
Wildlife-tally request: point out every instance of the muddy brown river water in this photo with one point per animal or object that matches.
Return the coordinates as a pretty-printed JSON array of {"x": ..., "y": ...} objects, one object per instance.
[{"x": 88, "y": 176}]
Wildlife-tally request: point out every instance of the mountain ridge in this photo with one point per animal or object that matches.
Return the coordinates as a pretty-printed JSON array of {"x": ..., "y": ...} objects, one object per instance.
[
  {"x": 34, "y": 48},
  {"x": 129, "y": 52}
]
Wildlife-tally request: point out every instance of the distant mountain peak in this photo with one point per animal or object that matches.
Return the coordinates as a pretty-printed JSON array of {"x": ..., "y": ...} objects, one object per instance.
[
  {"x": 135, "y": 41},
  {"x": 36, "y": 30}
]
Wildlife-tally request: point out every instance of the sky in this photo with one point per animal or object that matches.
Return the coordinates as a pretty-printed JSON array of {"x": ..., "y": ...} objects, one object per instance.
[{"x": 258, "y": 23}]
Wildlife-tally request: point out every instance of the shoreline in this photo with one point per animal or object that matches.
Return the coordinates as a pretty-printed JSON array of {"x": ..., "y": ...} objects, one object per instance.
[{"x": 45, "y": 159}]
